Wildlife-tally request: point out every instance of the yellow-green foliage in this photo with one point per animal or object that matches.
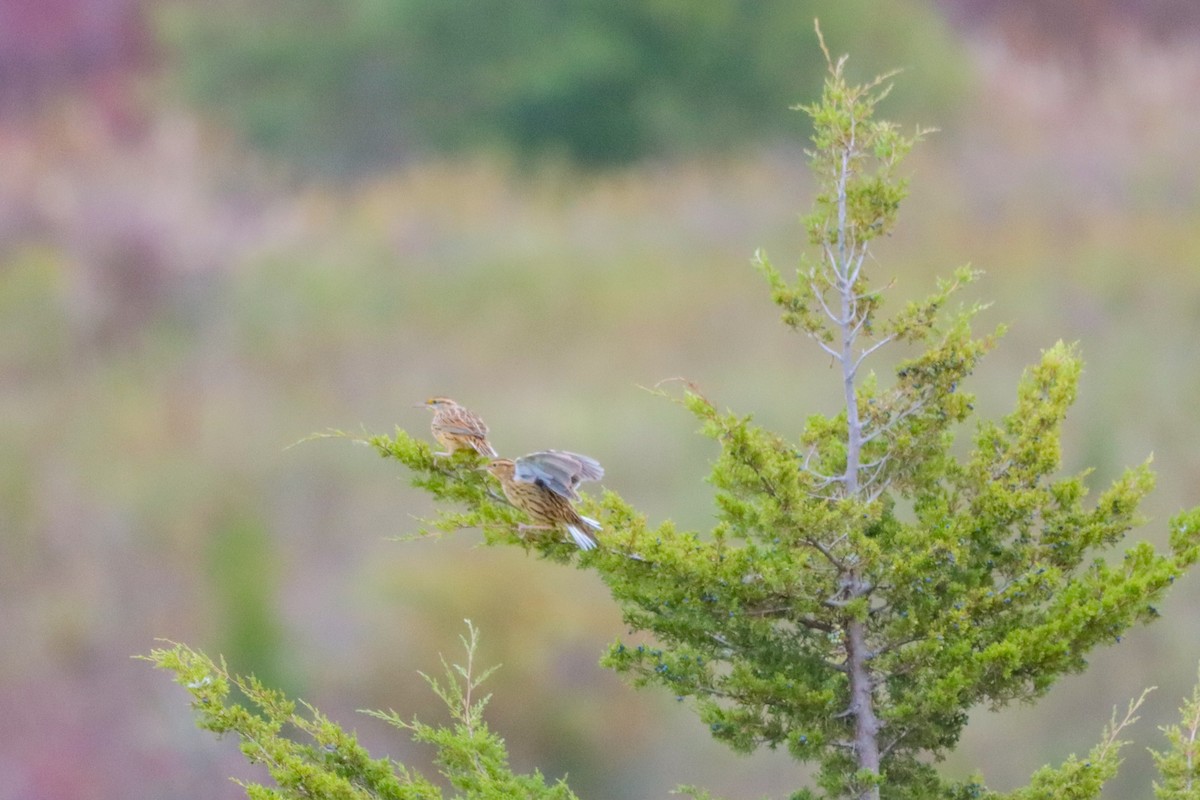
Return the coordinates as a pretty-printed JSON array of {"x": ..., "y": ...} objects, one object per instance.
[
  {"x": 1180, "y": 765},
  {"x": 309, "y": 756},
  {"x": 1080, "y": 779}
]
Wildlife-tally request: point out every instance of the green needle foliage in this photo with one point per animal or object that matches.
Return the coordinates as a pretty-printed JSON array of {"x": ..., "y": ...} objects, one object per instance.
[
  {"x": 866, "y": 585},
  {"x": 1180, "y": 765},
  {"x": 309, "y": 756}
]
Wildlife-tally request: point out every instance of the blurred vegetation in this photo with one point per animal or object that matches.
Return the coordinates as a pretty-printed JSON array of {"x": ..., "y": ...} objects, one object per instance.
[
  {"x": 350, "y": 86},
  {"x": 171, "y": 318}
]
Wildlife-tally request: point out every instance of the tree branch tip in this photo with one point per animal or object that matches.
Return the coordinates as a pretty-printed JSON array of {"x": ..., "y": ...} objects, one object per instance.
[
  {"x": 329, "y": 433},
  {"x": 676, "y": 379},
  {"x": 821, "y": 41},
  {"x": 690, "y": 387},
  {"x": 880, "y": 80}
]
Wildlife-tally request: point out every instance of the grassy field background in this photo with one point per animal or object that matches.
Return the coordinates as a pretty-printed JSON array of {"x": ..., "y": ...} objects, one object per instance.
[{"x": 174, "y": 314}]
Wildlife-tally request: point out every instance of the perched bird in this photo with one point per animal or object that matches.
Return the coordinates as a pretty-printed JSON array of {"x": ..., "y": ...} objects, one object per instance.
[
  {"x": 543, "y": 485},
  {"x": 457, "y": 428}
]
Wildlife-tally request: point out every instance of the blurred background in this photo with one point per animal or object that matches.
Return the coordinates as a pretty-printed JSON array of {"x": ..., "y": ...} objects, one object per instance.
[{"x": 226, "y": 225}]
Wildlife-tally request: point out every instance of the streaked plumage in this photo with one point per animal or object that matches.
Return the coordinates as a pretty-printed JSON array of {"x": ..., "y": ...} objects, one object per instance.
[
  {"x": 543, "y": 485},
  {"x": 457, "y": 428}
]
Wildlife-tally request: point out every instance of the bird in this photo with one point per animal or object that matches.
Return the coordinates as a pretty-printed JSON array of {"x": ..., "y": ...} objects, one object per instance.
[
  {"x": 458, "y": 428},
  {"x": 543, "y": 484}
]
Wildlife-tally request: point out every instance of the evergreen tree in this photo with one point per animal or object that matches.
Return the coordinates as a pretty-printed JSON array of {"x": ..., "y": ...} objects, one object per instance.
[{"x": 864, "y": 586}]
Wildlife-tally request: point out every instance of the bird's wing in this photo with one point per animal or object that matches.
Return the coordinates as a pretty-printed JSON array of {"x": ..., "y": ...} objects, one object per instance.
[
  {"x": 463, "y": 430},
  {"x": 558, "y": 471},
  {"x": 582, "y": 468},
  {"x": 529, "y": 471},
  {"x": 467, "y": 424}
]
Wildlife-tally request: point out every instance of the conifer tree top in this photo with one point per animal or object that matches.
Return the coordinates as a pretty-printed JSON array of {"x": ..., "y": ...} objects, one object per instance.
[{"x": 864, "y": 585}]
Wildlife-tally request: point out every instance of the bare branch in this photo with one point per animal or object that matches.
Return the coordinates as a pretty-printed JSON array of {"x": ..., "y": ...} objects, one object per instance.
[
  {"x": 875, "y": 469},
  {"x": 858, "y": 262},
  {"x": 916, "y": 406},
  {"x": 824, "y": 479},
  {"x": 858, "y": 326},
  {"x": 767, "y": 612},
  {"x": 826, "y": 348},
  {"x": 875, "y": 493},
  {"x": 817, "y": 625},
  {"x": 825, "y": 551},
  {"x": 819, "y": 293},
  {"x": 899, "y": 737},
  {"x": 721, "y": 640},
  {"x": 865, "y": 353}
]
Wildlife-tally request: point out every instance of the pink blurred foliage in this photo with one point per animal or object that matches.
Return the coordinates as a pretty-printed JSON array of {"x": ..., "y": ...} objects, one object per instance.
[
  {"x": 1077, "y": 32},
  {"x": 142, "y": 224},
  {"x": 70, "y": 733},
  {"x": 49, "y": 48}
]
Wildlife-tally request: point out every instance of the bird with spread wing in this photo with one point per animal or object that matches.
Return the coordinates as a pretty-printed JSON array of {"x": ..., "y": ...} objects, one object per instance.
[{"x": 544, "y": 483}]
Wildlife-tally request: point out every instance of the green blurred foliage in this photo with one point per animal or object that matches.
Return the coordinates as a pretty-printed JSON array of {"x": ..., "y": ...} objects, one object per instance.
[
  {"x": 241, "y": 563},
  {"x": 348, "y": 86}
]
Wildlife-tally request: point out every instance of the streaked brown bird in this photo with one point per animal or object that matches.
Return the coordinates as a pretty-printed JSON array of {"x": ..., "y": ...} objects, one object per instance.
[
  {"x": 457, "y": 428},
  {"x": 543, "y": 485}
]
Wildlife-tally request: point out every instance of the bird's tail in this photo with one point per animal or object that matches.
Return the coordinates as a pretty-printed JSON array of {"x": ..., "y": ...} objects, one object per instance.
[
  {"x": 581, "y": 537},
  {"x": 484, "y": 448}
]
